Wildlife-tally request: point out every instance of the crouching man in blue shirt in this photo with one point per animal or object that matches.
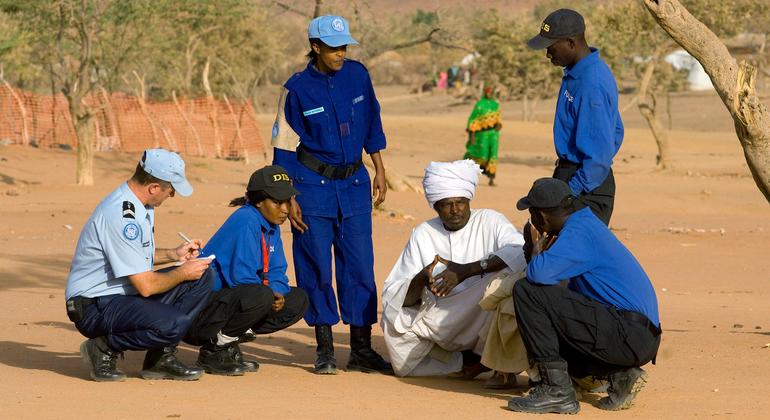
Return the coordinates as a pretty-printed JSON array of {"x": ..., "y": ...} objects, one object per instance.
[
  {"x": 604, "y": 323},
  {"x": 251, "y": 291}
]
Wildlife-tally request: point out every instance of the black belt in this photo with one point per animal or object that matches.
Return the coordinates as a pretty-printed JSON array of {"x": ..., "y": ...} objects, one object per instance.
[
  {"x": 324, "y": 169},
  {"x": 564, "y": 163},
  {"x": 642, "y": 319},
  {"x": 84, "y": 300}
]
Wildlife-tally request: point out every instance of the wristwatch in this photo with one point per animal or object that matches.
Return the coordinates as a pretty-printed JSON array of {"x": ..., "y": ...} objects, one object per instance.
[{"x": 483, "y": 263}]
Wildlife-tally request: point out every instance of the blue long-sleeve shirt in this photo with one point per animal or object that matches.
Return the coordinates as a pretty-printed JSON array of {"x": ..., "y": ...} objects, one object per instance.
[
  {"x": 587, "y": 128},
  {"x": 237, "y": 246},
  {"x": 336, "y": 117},
  {"x": 597, "y": 265}
]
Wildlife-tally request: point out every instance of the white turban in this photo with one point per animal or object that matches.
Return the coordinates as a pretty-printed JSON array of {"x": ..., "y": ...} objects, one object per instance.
[{"x": 450, "y": 179}]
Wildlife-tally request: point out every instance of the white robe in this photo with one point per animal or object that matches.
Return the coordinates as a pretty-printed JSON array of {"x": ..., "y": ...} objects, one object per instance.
[{"x": 455, "y": 322}]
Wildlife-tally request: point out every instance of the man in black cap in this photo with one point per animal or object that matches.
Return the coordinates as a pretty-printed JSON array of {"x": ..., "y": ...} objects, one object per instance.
[
  {"x": 251, "y": 295},
  {"x": 587, "y": 128},
  {"x": 604, "y": 323}
]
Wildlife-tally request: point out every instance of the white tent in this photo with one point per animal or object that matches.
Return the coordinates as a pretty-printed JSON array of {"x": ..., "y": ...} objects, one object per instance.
[{"x": 696, "y": 77}]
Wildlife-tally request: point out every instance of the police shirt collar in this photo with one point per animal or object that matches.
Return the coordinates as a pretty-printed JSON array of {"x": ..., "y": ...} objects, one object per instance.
[
  {"x": 317, "y": 74},
  {"x": 581, "y": 214},
  {"x": 263, "y": 223},
  {"x": 579, "y": 67},
  {"x": 140, "y": 211}
]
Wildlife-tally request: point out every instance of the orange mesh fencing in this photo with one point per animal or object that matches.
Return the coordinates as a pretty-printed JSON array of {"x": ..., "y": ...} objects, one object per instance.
[{"x": 197, "y": 127}]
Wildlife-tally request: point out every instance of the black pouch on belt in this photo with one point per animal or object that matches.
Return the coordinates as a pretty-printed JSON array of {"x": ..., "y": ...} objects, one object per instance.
[{"x": 76, "y": 308}]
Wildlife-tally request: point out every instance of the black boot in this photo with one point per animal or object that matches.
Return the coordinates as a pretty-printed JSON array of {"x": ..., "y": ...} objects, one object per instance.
[
  {"x": 362, "y": 357},
  {"x": 218, "y": 360},
  {"x": 623, "y": 388},
  {"x": 554, "y": 393},
  {"x": 101, "y": 360},
  {"x": 237, "y": 356},
  {"x": 325, "y": 363},
  {"x": 162, "y": 364}
]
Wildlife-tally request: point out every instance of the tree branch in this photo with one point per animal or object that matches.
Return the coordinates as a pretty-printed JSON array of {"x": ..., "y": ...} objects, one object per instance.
[
  {"x": 289, "y": 8},
  {"x": 733, "y": 82}
]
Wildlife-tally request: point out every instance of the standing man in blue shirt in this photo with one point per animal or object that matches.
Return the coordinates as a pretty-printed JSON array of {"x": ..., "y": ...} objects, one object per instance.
[
  {"x": 587, "y": 129},
  {"x": 251, "y": 291},
  {"x": 113, "y": 295},
  {"x": 604, "y": 323},
  {"x": 331, "y": 110}
]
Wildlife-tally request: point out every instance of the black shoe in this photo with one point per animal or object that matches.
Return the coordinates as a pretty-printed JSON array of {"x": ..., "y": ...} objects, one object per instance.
[
  {"x": 325, "y": 363},
  {"x": 162, "y": 364},
  {"x": 362, "y": 357},
  {"x": 554, "y": 393},
  {"x": 248, "y": 336},
  {"x": 623, "y": 389},
  {"x": 101, "y": 360},
  {"x": 237, "y": 356},
  {"x": 218, "y": 360}
]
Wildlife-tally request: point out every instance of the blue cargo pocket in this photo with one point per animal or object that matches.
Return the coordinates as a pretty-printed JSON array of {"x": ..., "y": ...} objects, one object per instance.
[
  {"x": 360, "y": 192},
  {"x": 317, "y": 196}
]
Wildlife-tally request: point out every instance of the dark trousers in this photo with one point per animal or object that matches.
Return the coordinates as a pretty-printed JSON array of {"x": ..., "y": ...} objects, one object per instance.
[
  {"x": 559, "y": 324},
  {"x": 138, "y": 323},
  {"x": 234, "y": 310},
  {"x": 351, "y": 238},
  {"x": 601, "y": 200}
]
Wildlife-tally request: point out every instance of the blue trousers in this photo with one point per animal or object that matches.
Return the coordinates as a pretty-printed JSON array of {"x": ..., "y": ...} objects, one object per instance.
[
  {"x": 138, "y": 323},
  {"x": 351, "y": 239}
]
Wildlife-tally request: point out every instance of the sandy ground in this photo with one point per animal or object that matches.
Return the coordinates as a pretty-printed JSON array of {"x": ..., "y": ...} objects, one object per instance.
[{"x": 700, "y": 230}]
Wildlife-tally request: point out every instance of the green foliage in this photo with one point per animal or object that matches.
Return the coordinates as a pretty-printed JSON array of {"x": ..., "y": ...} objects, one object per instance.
[
  {"x": 425, "y": 18},
  {"x": 506, "y": 59}
]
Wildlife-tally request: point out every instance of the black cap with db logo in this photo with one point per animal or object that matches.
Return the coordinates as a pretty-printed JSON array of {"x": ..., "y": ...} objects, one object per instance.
[
  {"x": 274, "y": 181},
  {"x": 563, "y": 23}
]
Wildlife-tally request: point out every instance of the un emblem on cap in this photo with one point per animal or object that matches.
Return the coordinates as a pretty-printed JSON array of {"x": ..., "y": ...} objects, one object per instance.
[{"x": 338, "y": 25}]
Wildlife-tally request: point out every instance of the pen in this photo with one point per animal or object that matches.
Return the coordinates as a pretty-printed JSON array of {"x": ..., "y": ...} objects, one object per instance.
[{"x": 184, "y": 237}]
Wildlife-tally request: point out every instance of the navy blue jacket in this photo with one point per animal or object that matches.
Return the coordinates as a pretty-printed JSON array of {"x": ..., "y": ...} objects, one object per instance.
[
  {"x": 337, "y": 118},
  {"x": 597, "y": 265},
  {"x": 587, "y": 128}
]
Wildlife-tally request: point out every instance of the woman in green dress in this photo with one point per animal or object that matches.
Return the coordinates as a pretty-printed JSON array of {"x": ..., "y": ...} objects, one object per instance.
[{"x": 483, "y": 129}]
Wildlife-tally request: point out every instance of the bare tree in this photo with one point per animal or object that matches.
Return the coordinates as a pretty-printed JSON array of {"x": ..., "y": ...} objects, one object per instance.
[{"x": 733, "y": 81}]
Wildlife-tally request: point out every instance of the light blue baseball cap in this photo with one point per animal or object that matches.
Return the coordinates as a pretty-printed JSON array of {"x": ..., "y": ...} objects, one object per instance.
[
  {"x": 333, "y": 31},
  {"x": 167, "y": 166}
]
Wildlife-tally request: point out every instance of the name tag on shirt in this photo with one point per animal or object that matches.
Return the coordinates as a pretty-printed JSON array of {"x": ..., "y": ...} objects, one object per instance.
[
  {"x": 358, "y": 99},
  {"x": 313, "y": 111}
]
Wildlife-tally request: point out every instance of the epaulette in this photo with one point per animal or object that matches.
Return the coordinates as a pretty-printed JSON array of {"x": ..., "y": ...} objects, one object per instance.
[{"x": 129, "y": 210}]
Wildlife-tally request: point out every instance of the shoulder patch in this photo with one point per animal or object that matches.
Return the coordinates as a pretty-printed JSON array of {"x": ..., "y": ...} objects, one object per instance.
[
  {"x": 129, "y": 211},
  {"x": 131, "y": 231}
]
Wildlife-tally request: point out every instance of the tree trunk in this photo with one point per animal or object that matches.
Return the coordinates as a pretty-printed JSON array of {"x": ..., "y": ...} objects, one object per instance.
[
  {"x": 734, "y": 82},
  {"x": 648, "y": 111},
  {"x": 84, "y": 130},
  {"x": 525, "y": 107},
  {"x": 317, "y": 9},
  {"x": 212, "y": 105}
]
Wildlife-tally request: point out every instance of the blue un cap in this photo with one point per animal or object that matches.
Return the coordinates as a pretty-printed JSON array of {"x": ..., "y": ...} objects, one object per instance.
[
  {"x": 333, "y": 31},
  {"x": 167, "y": 166}
]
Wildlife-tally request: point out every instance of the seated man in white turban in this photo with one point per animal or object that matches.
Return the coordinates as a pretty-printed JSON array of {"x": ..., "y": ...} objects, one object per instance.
[{"x": 431, "y": 314}]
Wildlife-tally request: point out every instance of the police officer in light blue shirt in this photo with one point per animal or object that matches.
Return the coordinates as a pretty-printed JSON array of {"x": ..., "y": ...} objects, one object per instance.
[
  {"x": 113, "y": 295},
  {"x": 332, "y": 110},
  {"x": 587, "y": 128}
]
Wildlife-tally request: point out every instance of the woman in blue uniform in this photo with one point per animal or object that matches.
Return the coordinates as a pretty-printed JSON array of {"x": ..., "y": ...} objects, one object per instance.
[
  {"x": 251, "y": 295},
  {"x": 332, "y": 112}
]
